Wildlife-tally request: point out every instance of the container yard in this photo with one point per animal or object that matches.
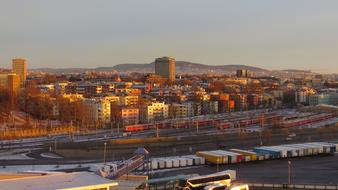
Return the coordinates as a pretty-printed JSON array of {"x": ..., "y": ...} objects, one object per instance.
[{"x": 237, "y": 156}]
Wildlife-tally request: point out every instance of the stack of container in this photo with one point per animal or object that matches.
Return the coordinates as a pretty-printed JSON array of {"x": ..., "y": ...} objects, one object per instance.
[
  {"x": 249, "y": 155},
  {"x": 238, "y": 155},
  {"x": 196, "y": 160},
  {"x": 211, "y": 157},
  {"x": 176, "y": 162},
  {"x": 269, "y": 153},
  {"x": 232, "y": 156}
]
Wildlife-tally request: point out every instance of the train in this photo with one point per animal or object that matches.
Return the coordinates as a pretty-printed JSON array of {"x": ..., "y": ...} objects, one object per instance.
[
  {"x": 305, "y": 121},
  {"x": 219, "y": 122}
]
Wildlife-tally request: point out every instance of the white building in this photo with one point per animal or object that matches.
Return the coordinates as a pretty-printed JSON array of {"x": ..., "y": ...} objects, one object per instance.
[
  {"x": 97, "y": 110},
  {"x": 156, "y": 111}
]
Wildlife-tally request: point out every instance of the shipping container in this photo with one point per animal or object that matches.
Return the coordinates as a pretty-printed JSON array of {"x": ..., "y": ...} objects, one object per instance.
[
  {"x": 273, "y": 154},
  {"x": 330, "y": 145},
  {"x": 227, "y": 159},
  {"x": 253, "y": 155},
  {"x": 190, "y": 161},
  {"x": 211, "y": 157},
  {"x": 246, "y": 158},
  {"x": 202, "y": 160},
  {"x": 154, "y": 164},
  {"x": 300, "y": 150},
  {"x": 308, "y": 150},
  {"x": 195, "y": 159},
  {"x": 327, "y": 147},
  {"x": 283, "y": 151},
  {"x": 260, "y": 157},
  {"x": 176, "y": 163},
  {"x": 235, "y": 157},
  {"x": 168, "y": 162},
  {"x": 317, "y": 149},
  {"x": 161, "y": 164},
  {"x": 290, "y": 152},
  {"x": 183, "y": 162}
]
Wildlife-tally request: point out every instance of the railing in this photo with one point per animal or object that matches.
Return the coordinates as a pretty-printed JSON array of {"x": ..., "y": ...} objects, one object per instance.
[
  {"x": 294, "y": 186},
  {"x": 128, "y": 166}
]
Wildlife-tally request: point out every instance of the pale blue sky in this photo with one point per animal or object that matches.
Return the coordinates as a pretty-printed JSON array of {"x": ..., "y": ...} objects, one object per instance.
[{"x": 273, "y": 34}]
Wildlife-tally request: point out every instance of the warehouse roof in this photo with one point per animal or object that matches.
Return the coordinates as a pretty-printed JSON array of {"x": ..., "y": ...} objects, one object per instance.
[{"x": 60, "y": 181}]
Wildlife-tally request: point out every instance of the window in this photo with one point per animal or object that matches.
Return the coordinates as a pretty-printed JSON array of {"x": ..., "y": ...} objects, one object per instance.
[{"x": 209, "y": 179}]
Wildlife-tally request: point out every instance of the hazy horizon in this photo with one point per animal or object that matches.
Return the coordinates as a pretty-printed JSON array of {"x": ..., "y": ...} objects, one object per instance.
[{"x": 273, "y": 35}]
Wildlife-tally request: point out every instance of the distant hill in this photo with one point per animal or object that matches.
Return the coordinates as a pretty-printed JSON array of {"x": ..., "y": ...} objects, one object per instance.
[
  {"x": 297, "y": 71},
  {"x": 182, "y": 67},
  {"x": 61, "y": 70},
  {"x": 188, "y": 67}
]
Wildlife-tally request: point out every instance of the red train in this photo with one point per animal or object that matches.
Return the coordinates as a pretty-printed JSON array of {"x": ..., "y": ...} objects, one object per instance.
[
  {"x": 305, "y": 121},
  {"x": 220, "y": 123}
]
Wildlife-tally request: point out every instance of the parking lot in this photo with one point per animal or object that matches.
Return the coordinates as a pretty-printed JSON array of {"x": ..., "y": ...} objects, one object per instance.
[{"x": 316, "y": 170}]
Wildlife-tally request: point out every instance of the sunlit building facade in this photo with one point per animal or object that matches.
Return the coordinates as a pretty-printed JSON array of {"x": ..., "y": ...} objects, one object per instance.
[{"x": 19, "y": 67}]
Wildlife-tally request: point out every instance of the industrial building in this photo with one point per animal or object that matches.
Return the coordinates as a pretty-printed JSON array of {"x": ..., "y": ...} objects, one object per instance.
[{"x": 55, "y": 180}]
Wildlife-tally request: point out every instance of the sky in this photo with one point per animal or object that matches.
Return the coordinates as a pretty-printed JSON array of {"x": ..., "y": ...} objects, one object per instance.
[{"x": 272, "y": 34}]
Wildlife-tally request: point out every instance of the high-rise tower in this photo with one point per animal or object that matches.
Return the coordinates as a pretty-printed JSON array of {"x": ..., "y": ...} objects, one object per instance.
[
  {"x": 166, "y": 67},
  {"x": 19, "y": 67}
]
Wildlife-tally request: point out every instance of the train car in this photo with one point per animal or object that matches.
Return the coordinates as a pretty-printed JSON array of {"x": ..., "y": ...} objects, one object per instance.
[
  {"x": 225, "y": 125},
  {"x": 305, "y": 121},
  {"x": 205, "y": 123},
  {"x": 134, "y": 128}
]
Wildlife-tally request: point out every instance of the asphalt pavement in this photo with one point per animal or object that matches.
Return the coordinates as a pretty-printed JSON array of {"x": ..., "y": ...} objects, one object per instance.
[{"x": 315, "y": 170}]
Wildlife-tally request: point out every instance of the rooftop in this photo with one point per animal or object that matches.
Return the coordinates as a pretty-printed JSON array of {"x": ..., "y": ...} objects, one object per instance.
[{"x": 53, "y": 181}]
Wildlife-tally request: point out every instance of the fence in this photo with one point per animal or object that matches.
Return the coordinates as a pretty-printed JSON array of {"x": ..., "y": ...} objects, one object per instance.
[
  {"x": 294, "y": 186},
  {"x": 35, "y": 132}
]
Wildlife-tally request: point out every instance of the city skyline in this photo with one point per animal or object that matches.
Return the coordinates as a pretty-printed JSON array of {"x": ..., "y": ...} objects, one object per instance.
[
  {"x": 179, "y": 94},
  {"x": 270, "y": 35}
]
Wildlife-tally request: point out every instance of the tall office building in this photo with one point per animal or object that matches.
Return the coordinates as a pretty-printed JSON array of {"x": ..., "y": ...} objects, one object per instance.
[
  {"x": 13, "y": 84},
  {"x": 166, "y": 67},
  {"x": 3, "y": 81},
  {"x": 19, "y": 67}
]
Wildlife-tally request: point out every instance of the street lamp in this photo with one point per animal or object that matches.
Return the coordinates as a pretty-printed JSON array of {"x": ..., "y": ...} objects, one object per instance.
[
  {"x": 55, "y": 145},
  {"x": 104, "y": 152},
  {"x": 289, "y": 172}
]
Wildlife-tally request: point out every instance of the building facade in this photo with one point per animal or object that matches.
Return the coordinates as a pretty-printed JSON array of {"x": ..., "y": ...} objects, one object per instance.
[
  {"x": 19, "y": 67},
  {"x": 156, "y": 111},
  {"x": 122, "y": 116},
  {"x": 166, "y": 67},
  {"x": 324, "y": 98},
  {"x": 13, "y": 84}
]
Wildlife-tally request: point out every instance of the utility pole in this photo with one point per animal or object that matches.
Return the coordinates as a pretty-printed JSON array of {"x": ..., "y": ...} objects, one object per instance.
[
  {"x": 260, "y": 131},
  {"x": 289, "y": 172},
  {"x": 157, "y": 132},
  {"x": 118, "y": 128},
  {"x": 55, "y": 144},
  {"x": 197, "y": 127},
  {"x": 104, "y": 152}
]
